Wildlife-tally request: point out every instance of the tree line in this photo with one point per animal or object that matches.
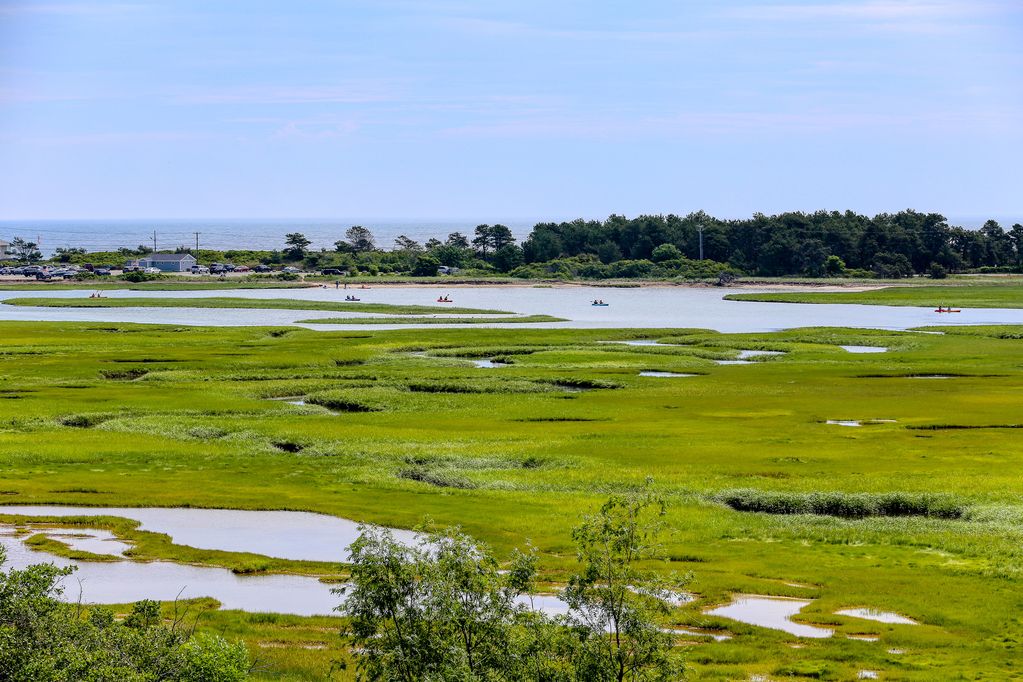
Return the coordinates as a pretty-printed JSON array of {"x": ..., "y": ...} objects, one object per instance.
[
  {"x": 806, "y": 244},
  {"x": 698, "y": 245},
  {"x": 820, "y": 244}
]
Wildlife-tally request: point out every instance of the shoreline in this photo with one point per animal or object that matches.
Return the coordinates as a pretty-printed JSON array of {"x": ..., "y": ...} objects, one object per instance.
[{"x": 184, "y": 282}]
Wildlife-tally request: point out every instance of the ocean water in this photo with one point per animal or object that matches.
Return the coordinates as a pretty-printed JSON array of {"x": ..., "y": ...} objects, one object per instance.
[{"x": 109, "y": 235}]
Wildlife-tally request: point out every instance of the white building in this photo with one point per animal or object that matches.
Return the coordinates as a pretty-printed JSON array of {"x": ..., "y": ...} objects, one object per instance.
[{"x": 168, "y": 262}]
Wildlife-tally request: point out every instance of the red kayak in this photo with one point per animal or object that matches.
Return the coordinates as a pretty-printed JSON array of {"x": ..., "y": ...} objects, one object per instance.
[{"x": 948, "y": 310}]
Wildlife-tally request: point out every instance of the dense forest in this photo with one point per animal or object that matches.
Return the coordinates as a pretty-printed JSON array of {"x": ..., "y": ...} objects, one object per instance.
[{"x": 809, "y": 244}]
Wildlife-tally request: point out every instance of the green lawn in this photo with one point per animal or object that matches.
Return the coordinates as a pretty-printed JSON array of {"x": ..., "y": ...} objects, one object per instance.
[
  {"x": 255, "y": 303},
  {"x": 954, "y": 295},
  {"x": 401, "y": 426}
]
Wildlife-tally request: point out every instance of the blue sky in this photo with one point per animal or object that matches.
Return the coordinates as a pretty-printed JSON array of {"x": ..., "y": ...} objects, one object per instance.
[{"x": 505, "y": 109}]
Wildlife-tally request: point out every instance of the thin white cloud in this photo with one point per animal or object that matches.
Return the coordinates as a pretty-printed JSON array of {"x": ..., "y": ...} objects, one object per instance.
[
  {"x": 738, "y": 123},
  {"x": 105, "y": 138},
  {"x": 285, "y": 94},
  {"x": 514, "y": 29},
  {"x": 67, "y": 9},
  {"x": 316, "y": 129},
  {"x": 883, "y": 13}
]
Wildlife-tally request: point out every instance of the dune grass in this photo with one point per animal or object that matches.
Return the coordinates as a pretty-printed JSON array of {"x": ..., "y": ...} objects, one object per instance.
[
  {"x": 766, "y": 497},
  {"x": 956, "y": 295},
  {"x": 251, "y": 303}
]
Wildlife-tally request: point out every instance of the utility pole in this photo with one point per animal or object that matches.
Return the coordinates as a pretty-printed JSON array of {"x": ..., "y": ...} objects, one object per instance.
[
  {"x": 196, "y": 244},
  {"x": 700, "y": 228},
  {"x": 154, "y": 241}
]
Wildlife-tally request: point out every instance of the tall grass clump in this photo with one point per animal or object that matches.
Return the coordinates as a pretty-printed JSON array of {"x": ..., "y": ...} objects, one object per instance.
[
  {"x": 345, "y": 401},
  {"x": 843, "y": 505}
]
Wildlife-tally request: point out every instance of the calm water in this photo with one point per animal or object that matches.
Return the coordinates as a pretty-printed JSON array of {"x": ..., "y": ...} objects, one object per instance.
[
  {"x": 770, "y": 612},
  {"x": 647, "y": 307},
  {"x": 288, "y": 535},
  {"x": 282, "y": 534}
]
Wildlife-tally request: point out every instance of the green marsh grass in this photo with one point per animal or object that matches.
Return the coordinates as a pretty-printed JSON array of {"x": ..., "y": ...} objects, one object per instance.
[
  {"x": 956, "y": 295},
  {"x": 251, "y": 303},
  {"x": 520, "y": 457}
]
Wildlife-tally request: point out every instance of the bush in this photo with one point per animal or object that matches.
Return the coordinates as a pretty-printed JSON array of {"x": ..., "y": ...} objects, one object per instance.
[
  {"x": 213, "y": 659},
  {"x": 843, "y": 505},
  {"x": 630, "y": 269},
  {"x": 426, "y": 266},
  {"x": 139, "y": 276},
  {"x": 834, "y": 266},
  {"x": 938, "y": 271},
  {"x": 665, "y": 252}
]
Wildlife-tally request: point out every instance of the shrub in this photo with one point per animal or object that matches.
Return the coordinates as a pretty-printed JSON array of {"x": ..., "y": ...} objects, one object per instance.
[
  {"x": 139, "y": 276},
  {"x": 665, "y": 252},
  {"x": 843, "y": 505}
]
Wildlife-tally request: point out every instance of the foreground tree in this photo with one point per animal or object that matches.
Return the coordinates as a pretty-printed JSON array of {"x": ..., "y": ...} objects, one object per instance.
[
  {"x": 616, "y": 603},
  {"x": 43, "y": 639},
  {"x": 443, "y": 610}
]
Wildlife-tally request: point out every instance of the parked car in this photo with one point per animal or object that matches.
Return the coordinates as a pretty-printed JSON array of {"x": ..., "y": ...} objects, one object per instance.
[
  {"x": 152, "y": 271},
  {"x": 242, "y": 268},
  {"x": 291, "y": 269},
  {"x": 102, "y": 272},
  {"x": 262, "y": 268},
  {"x": 332, "y": 271},
  {"x": 200, "y": 270}
]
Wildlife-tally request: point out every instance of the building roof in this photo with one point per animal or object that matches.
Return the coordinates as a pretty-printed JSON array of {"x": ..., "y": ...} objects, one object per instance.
[{"x": 168, "y": 257}]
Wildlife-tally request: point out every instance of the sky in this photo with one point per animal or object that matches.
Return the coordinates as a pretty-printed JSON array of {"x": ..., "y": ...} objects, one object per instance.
[{"x": 508, "y": 109}]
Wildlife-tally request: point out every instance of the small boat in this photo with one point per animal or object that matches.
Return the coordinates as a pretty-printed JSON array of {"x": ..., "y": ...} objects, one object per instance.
[
  {"x": 352, "y": 298},
  {"x": 600, "y": 305},
  {"x": 939, "y": 309},
  {"x": 444, "y": 300}
]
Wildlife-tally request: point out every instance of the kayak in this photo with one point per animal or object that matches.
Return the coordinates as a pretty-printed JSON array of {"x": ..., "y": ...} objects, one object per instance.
[
  {"x": 948, "y": 310},
  {"x": 600, "y": 305},
  {"x": 444, "y": 300}
]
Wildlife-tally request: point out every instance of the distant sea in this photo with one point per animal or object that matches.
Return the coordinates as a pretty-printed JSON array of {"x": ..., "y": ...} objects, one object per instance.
[{"x": 110, "y": 235}]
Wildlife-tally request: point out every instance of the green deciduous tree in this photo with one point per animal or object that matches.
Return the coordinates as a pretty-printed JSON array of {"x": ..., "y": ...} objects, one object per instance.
[
  {"x": 507, "y": 258},
  {"x": 426, "y": 265},
  {"x": 439, "y": 611},
  {"x": 443, "y": 610},
  {"x": 615, "y": 601},
  {"x": 43, "y": 639}
]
